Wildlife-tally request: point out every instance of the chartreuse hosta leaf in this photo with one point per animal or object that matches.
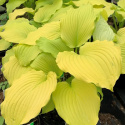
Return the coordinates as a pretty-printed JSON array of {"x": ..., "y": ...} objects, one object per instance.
[
  {"x": 40, "y": 3},
  {"x": 18, "y": 20},
  {"x": 20, "y": 12},
  {"x": 79, "y": 2},
  {"x": 103, "y": 31},
  {"x": 46, "y": 62},
  {"x": 52, "y": 46},
  {"x": 6, "y": 58},
  {"x": 101, "y": 12},
  {"x": 110, "y": 9},
  {"x": 50, "y": 31},
  {"x": 120, "y": 14},
  {"x": 15, "y": 30},
  {"x": 121, "y": 35},
  {"x": 26, "y": 53},
  {"x": 4, "y": 44},
  {"x": 12, "y": 4},
  {"x": 121, "y": 42},
  {"x": 2, "y": 2},
  {"x": 45, "y": 13},
  {"x": 27, "y": 96},
  {"x": 1, "y": 28},
  {"x": 60, "y": 13},
  {"x": 121, "y": 3},
  {"x": 12, "y": 22},
  {"x": 95, "y": 3},
  {"x": 99, "y": 62},
  {"x": 37, "y": 25},
  {"x": 122, "y": 45},
  {"x": 77, "y": 26},
  {"x": 78, "y": 103},
  {"x": 99, "y": 2},
  {"x": 49, "y": 107},
  {"x": 12, "y": 70}
]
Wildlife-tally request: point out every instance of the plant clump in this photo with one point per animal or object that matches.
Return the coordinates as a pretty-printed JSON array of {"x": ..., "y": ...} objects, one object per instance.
[{"x": 64, "y": 52}]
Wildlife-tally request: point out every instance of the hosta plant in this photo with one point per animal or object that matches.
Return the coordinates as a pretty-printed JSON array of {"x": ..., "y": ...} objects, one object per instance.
[{"x": 65, "y": 52}]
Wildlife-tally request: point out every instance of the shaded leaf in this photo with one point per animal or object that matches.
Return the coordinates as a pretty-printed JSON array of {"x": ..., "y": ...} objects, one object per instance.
[
  {"x": 12, "y": 4},
  {"x": 46, "y": 62},
  {"x": 7, "y": 56},
  {"x": 103, "y": 31},
  {"x": 52, "y": 46},
  {"x": 2, "y": 2},
  {"x": 40, "y": 3},
  {"x": 20, "y": 12},
  {"x": 49, "y": 107},
  {"x": 120, "y": 14},
  {"x": 26, "y": 53},
  {"x": 1, "y": 120},
  {"x": 4, "y": 44}
]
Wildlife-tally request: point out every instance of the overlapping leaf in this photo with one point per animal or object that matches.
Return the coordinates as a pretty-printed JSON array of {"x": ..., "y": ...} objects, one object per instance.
[
  {"x": 40, "y": 3},
  {"x": 110, "y": 9},
  {"x": 101, "y": 12},
  {"x": 121, "y": 35},
  {"x": 99, "y": 62},
  {"x": 26, "y": 53},
  {"x": 49, "y": 106},
  {"x": 121, "y": 42},
  {"x": 6, "y": 58},
  {"x": 2, "y": 2},
  {"x": 99, "y": 2},
  {"x": 12, "y": 22},
  {"x": 122, "y": 45},
  {"x": 50, "y": 31},
  {"x": 44, "y": 13},
  {"x": 103, "y": 31},
  {"x": 77, "y": 26},
  {"x": 78, "y": 103},
  {"x": 12, "y": 70},
  {"x": 52, "y": 46},
  {"x": 17, "y": 30},
  {"x": 4, "y": 44},
  {"x": 27, "y": 96},
  {"x": 120, "y": 14},
  {"x": 12, "y": 4},
  {"x": 121, "y": 3},
  {"x": 20, "y": 12},
  {"x": 80, "y": 2},
  {"x": 95, "y": 3},
  {"x": 60, "y": 13},
  {"x": 46, "y": 62}
]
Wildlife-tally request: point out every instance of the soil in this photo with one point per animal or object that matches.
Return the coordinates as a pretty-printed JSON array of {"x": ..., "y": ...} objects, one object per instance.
[
  {"x": 52, "y": 118},
  {"x": 108, "y": 119}
]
